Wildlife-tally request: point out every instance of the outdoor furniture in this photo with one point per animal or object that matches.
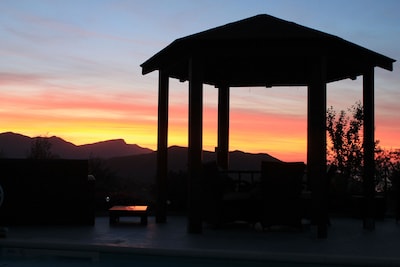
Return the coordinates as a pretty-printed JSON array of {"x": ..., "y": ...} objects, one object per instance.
[
  {"x": 224, "y": 202},
  {"x": 128, "y": 211},
  {"x": 281, "y": 185}
]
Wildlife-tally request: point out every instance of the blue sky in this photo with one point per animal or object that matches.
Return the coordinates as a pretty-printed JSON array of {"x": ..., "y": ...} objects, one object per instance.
[{"x": 64, "y": 62}]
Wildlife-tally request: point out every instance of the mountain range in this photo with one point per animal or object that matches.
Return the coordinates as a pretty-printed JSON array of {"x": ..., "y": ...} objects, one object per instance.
[
  {"x": 14, "y": 145},
  {"x": 143, "y": 166},
  {"x": 126, "y": 160}
]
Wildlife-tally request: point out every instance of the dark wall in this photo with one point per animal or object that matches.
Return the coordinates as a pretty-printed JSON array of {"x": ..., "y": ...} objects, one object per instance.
[{"x": 46, "y": 192}]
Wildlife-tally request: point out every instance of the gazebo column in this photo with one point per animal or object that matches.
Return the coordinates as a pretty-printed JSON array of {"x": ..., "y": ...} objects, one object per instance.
[
  {"x": 162, "y": 148},
  {"x": 369, "y": 147},
  {"x": 223, "y": 127},
  {"x": 195, "y": 151},
  {"x": 316, "y": 145}
]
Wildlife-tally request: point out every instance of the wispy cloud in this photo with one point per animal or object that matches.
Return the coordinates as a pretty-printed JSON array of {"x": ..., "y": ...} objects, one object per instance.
[{"x": 13, "y": 78}]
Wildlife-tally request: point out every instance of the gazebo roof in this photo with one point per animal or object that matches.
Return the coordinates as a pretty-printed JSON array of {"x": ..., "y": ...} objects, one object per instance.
[{"x": 264, "y": 51}]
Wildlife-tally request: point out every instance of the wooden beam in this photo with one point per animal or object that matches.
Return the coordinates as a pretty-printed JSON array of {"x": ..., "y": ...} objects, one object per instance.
[
  {"x": 223, "y": 127},
  {"x": 162, "y": 148},
  {"x": 369, "y": 149},
  {"x": 195, "y": 151},
  {"x": 316, "y": 145}
]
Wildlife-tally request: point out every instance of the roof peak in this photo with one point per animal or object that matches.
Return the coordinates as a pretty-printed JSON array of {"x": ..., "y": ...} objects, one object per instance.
[
  {"x": 258, "y": 26},
  {"x": 244, "y": 51}
]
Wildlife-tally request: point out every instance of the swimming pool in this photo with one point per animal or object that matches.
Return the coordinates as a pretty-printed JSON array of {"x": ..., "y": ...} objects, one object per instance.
[{"x": 31, "y": 258}]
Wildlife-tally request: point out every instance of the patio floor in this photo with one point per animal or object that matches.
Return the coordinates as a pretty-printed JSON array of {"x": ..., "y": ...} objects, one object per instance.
[{"x": 347, "y": 242}]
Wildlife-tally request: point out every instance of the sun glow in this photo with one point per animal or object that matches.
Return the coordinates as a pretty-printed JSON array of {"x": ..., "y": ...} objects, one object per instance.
[{"x": 257, "y": 125}]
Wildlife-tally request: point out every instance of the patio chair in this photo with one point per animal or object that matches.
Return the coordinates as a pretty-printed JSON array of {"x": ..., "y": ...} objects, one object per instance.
[
  {"x": 222, "y": 203},
  {"x": 281, "y": 185}
]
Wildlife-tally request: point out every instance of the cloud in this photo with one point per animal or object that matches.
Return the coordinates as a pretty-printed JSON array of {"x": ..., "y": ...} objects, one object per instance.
[
  {"x": 79, "y": 103},
  {"x": 13, "y": 78}
]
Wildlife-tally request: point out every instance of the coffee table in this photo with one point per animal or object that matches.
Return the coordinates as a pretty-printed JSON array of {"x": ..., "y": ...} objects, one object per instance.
[{"x": 118, "y": 211}]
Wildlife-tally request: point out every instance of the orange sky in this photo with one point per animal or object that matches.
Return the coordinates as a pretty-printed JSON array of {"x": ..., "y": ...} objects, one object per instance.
[
  {"x": 81, "y": 118},
  {"x": 259, "y": 122}
]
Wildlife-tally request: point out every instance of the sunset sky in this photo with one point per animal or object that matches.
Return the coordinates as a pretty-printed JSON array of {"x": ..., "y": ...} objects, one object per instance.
[{"x": 72, "y": 69}]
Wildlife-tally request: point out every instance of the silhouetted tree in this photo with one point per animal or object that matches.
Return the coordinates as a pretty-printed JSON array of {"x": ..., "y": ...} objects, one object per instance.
[
  {"x": 345, "y": 144},
  {"x": 387, "y": 163},
  {"x": 41, "y": 149},
  {"x": 345, "y": 148}
]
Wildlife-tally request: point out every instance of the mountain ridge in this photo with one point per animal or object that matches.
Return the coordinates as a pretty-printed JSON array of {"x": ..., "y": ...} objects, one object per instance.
[
  {"x": 127, "y": 161},
  {"x": 143, "y": 167},
  {"x": 15, "y": 145}
]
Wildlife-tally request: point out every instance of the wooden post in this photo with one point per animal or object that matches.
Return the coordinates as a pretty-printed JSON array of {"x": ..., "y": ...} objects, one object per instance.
[
  {"x": 162, "y": 148},
  {"x": 223, "y": 127},
  {"x": 369, "y": 147},
  {"x": 195, "y": 151},
  {"x": 316, "y": 145}
]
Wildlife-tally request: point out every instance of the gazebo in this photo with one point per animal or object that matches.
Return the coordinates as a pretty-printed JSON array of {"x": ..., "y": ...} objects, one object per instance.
[{"x": 262, "y": 51}]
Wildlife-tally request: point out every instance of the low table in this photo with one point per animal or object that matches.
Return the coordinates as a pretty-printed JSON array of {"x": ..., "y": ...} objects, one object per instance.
[{"x": 118, "y": 211}]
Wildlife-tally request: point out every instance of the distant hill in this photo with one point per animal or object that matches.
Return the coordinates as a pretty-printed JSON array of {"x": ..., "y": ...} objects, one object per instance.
[
  {"x": 143, "y": 167},
  {"x": 13, "y": 145},
  {"x": 127, "y": 161}
]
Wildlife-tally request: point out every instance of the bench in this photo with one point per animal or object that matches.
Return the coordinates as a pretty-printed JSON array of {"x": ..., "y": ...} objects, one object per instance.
[{"x": 118, "y": 211}]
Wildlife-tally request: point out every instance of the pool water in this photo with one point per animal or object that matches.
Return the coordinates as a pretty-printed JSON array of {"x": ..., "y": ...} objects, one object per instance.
[{"x": 109, "y": 259}]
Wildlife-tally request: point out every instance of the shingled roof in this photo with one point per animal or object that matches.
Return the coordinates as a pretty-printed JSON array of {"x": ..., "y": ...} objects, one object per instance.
[{"x": 264, "y": 51}]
